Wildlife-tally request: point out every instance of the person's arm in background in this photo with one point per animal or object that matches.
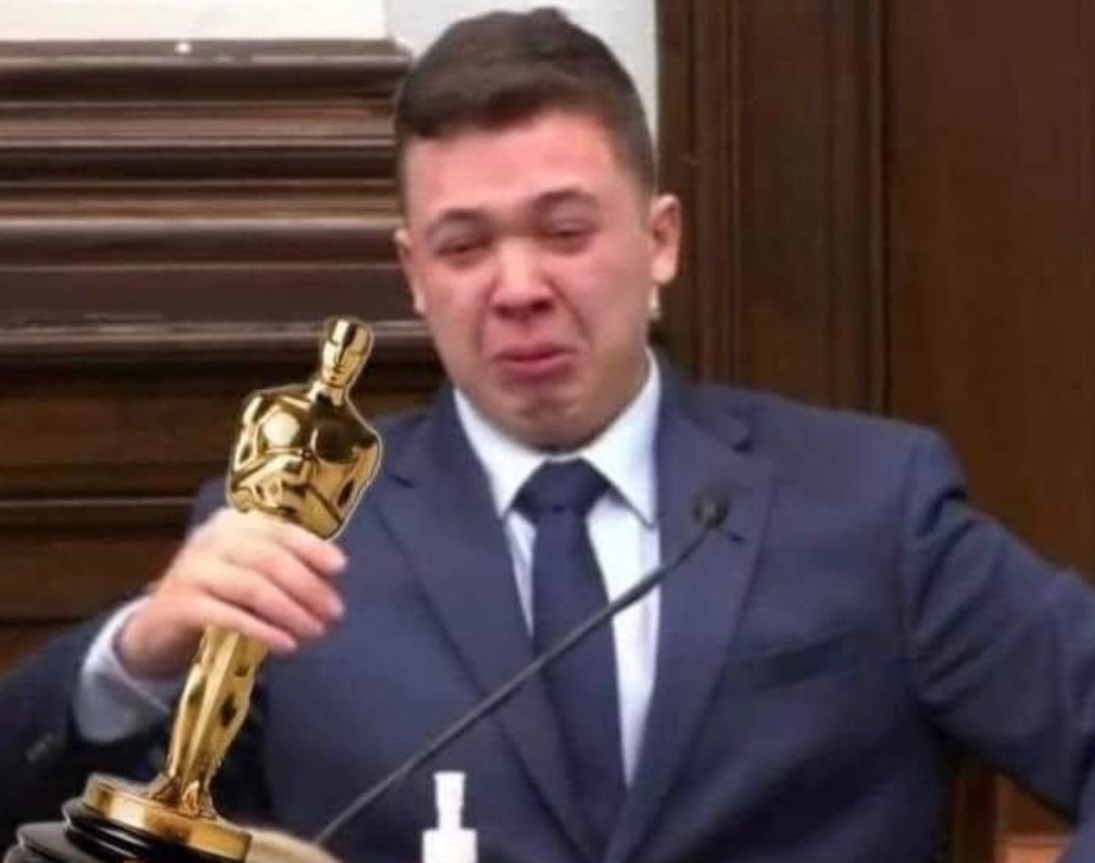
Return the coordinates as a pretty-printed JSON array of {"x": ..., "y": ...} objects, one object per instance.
[{"x": 269, "y": 580}]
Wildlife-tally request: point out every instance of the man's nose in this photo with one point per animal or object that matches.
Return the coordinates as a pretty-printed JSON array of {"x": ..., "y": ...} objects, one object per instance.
[{"x": 521, "y": 287}]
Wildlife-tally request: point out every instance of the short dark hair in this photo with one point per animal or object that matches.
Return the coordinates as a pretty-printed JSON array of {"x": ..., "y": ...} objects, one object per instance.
[{"x": 502, "y": 68}]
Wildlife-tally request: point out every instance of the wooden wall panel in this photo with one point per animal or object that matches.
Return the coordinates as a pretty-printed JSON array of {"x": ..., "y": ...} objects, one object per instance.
[
  {"x": 98, "y": 468},
  {"x": 238, "y": 182},
  {"x": 770, "y": 132},
  {"x": 173, "y": 229},
  {"x": 154, "y": 423},
  {"x": 993, "y": 226}
]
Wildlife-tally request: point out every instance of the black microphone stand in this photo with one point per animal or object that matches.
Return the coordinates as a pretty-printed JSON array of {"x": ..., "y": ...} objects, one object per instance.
[{"x": 709, "y": 512}]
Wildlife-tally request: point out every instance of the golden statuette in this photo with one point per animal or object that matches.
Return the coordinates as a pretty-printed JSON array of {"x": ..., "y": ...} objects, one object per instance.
[{"x": 303, "y": 454}]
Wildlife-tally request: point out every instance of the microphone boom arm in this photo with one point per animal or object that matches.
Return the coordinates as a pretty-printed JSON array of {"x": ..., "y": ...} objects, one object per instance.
[{"x": 709, "y": 512}]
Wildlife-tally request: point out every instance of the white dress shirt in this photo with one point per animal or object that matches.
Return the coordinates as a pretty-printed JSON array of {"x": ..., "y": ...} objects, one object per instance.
[{"x": 109, "y": 703}]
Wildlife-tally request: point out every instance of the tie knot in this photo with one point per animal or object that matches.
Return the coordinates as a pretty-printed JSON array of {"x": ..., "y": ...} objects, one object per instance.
[{"x": 561, "y": 486}]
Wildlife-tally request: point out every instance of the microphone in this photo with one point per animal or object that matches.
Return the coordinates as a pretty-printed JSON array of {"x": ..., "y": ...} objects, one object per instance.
[{"x": 709, "y": 510}]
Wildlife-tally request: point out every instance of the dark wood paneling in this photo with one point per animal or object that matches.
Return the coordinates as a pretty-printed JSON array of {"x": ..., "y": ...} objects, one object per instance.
[
  {"x": 235, "y": 111},
  {"x": 239, "y": 182},
  {"x": 173, "y": 229},
  {"x": 96, "y": 471},
  {"x": 993, "y": 289},
  {"x": 69, "y": 558},
  {"x": 770, "y": 130},
  {"x": 154, "y": 422}
]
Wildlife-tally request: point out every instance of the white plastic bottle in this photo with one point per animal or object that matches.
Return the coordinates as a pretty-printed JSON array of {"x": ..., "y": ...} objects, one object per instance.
[{"x": 450, "y": 841}]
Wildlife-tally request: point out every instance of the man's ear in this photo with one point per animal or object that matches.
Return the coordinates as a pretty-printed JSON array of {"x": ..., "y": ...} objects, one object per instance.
[
  {"x": 405, "y": 251},
  {"x": 665, "y": 238}
]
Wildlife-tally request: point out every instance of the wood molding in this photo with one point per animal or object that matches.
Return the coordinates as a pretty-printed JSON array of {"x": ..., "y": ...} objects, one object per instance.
[
  {"x": 219, "y": 109},
  {"x": 771, "y": 133},
  {"x": 30, "y": 347},
  {"x": 175, "y": 223},
  {"x": 143, "y": 184}
]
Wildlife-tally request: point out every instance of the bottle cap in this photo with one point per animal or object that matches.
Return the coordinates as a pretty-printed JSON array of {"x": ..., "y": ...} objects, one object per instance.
[{"x": 450, "y": 841}]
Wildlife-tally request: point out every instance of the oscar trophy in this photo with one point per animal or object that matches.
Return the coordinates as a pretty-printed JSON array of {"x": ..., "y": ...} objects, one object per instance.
[{"x": 305, "y": 455}]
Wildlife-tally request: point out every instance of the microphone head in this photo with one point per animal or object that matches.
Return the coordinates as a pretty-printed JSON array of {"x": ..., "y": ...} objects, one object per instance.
[{"x": 710, "y": 509}]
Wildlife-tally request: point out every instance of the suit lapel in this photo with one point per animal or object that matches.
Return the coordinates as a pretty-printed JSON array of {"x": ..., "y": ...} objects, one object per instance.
[
  {"x": 700, "y": 604},
  {"x": 441, "y": 512}
]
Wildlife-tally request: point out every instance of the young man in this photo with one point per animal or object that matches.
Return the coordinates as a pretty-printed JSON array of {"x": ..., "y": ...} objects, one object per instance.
[{"x": 793, "y": 692}]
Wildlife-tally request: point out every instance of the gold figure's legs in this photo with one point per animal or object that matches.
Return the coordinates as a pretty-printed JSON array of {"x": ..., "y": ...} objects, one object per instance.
[
  {"x": 211, "y": 710},
  {"x": 178, "y": 804}
]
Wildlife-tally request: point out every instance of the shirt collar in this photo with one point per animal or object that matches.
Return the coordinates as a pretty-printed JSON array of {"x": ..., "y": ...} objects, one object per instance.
[{"x": 623, "y": 452}]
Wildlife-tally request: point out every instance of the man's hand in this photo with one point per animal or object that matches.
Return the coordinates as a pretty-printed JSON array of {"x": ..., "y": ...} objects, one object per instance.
[{"x": 267, "y": 579}]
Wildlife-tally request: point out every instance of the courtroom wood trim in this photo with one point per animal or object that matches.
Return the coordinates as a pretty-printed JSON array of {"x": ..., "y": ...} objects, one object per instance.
[
  {"x": 397, "y": 343},
  {"x": 59, "y": 595},
  {"x": 91, "y": 512},
  {"x": 198, "y": 235},
  {"x": 176, "y": 220},
  {"x": 689, "y": 73},
  {"x": 771, "y": 133},
  {"x": 213, "y": 67},
  {"x": 117, "y": 525},
  {"x": 173, "y": 188},
  {"x": 219, "y": 110}
]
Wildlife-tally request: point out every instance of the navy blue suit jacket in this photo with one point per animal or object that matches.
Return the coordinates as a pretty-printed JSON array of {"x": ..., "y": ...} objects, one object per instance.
[{"x": 822, "y": 655}]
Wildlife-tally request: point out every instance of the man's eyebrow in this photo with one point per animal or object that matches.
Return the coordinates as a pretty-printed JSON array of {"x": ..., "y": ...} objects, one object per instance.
[
  {"x": 568, "y": 195},
  {"x": 471, "y": 217}
]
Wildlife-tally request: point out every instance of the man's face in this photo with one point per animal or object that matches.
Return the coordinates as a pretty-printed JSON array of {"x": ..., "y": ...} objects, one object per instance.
[{"x": 533, "y": 254}]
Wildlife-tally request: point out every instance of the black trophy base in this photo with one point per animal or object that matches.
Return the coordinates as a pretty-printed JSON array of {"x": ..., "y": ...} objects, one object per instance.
[{"x": 86, "y": 837}]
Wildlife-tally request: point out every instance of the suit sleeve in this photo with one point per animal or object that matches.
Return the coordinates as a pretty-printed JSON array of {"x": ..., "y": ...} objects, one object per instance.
[{"x": 1002, "y": 644}]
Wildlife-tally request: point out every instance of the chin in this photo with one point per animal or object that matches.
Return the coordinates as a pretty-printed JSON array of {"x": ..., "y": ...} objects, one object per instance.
[
  {"x": 546, "y": 418},
  {"x": 556, "y": 433}
]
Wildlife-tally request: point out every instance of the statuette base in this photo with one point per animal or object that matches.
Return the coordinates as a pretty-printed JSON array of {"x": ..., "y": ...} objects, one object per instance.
[
  {"x": 87, "y": 837},
  {"x": 129, "y": 806}
]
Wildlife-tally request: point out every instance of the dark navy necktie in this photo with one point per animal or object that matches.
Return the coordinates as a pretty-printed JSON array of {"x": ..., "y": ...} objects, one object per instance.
[{"x": 566, "y": 589}]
